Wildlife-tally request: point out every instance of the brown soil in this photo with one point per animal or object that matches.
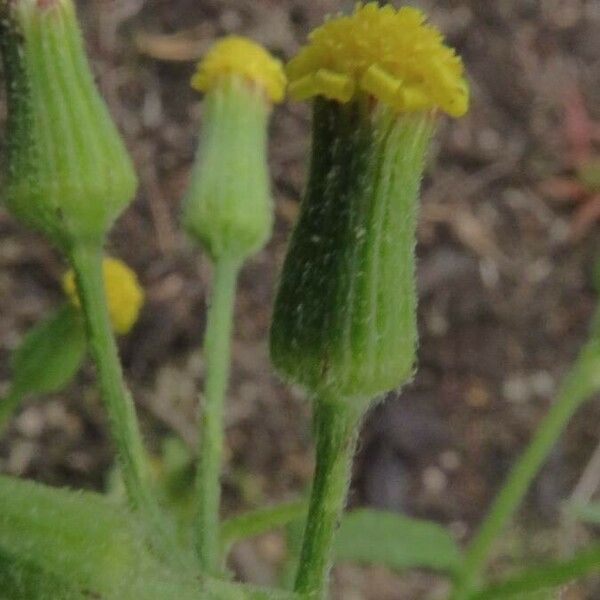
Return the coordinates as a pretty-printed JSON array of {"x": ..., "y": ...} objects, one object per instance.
[{"x": 505, "y": 293}]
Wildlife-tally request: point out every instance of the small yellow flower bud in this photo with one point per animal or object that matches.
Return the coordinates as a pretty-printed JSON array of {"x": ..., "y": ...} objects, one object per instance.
[
  {"x": 228, "y": 207},
  {"x": 124, "y": 295},
  {"x": 235, "y": 55},
  {"x": 344, "y": 322}
]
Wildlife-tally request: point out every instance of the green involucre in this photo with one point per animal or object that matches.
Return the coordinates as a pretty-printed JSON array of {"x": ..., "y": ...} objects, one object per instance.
[
  {"x": 69, "y": 175},
  {"x": 345, "y": 315},
  {"x": 228, "y": 206}
]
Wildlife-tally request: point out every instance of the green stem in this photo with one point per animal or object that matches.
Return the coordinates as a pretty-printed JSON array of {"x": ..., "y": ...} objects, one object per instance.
[
  {"x": 87, "y": 265},
  {"x": 336, "y": 430},
  {"x": 581, "y": 382},
  {"x": 216, "y": 356}
]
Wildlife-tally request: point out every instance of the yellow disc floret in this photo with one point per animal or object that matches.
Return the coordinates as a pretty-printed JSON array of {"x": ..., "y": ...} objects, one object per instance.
[
  {"x": 390, "y": 54},
  {"x": 124, "y": 294},
  {"x": 235, "y": 55}
]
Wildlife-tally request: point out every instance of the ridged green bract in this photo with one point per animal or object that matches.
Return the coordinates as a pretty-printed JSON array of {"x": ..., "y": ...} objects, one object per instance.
[
  {"x": 345, "y": 314},
  {"x": 228, "y": 205},
  {"x": 69, "y": 175}
]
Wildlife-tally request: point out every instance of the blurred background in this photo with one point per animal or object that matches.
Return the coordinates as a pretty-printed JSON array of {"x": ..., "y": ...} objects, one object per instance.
[{"x": 507, "y": 239}]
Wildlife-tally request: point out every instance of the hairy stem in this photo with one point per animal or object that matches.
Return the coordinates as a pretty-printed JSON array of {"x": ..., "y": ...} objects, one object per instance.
[
  {"x": 336, "y": 430},
  {"x": 582, "y": 381},
  {"x": 87, "y": 265},
  {"x": 124, "y": 428},
  {"x": 216, "y": 356}
]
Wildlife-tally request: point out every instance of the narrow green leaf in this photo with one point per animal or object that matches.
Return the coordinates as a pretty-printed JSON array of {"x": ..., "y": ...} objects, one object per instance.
[
  {"x": 256, "y": 522},
  {"x": 545, "y": 577},
  {"x": 46, "y": 360},
  {"x": 396, "y": 541},
  {"x": 50, "y": 353}
]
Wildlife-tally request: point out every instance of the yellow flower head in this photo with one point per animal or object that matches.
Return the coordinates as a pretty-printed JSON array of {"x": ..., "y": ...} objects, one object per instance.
[
  {"x": 235, "y": 55},
  {"x": 392, "y": 55},
  {"x": 124, "y": 294}
]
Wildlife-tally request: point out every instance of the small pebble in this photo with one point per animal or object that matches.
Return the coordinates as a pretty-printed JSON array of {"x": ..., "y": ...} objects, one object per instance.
[
  {"x": 477, "y": 395},
  {"x": 434, "y": 480},
  {"x": 30, "y": 423},
  {"x": 21, "y": 455},
  {"x": 516, "y": 388},
  {"x": 437, "y": 324},
  {"x": 230, "y": 20},
  {"x": 458, "y": 529},
  {"x": 450, "y": 460},
  {"x": 543, "y": 383}
]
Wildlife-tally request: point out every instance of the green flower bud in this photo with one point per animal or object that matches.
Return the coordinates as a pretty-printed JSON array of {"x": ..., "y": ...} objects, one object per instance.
[
  {"x": 344, "y": 318},
  {"x": 69, "y": 175},
  {"x": 228, "y": 206},
  {"x": 344, "y": 324}
]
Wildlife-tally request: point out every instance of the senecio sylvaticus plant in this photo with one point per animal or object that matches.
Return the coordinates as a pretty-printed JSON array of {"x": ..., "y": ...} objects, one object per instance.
[{"x": 344, "y": 320}]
